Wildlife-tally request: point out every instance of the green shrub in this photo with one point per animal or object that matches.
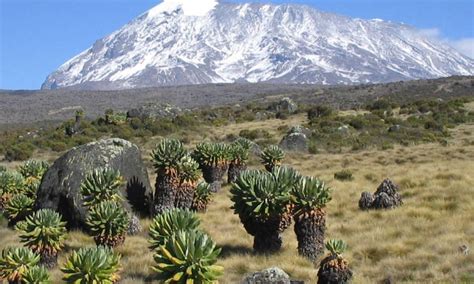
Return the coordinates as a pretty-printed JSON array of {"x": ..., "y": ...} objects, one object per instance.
[
  {"x": 319, "y": 111},
  {"x": 19, "y": 152},
  {"x": 343, "y": 175}
]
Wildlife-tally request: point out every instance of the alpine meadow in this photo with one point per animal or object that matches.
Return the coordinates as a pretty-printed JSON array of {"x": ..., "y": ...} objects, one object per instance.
[{"x": 211, "y": 142}]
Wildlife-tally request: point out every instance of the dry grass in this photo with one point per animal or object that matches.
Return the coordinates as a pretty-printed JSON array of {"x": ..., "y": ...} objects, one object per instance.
[{"x": 415, "y": 243}]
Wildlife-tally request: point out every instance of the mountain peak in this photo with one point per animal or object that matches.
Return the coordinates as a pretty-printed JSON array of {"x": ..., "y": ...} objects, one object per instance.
[
  {"x": 189, "y": 7},
  {"x": 225, "y": 43}
]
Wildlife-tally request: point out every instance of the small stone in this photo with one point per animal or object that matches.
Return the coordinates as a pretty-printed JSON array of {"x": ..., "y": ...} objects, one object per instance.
[
  {"x": 134, "y": 226},
  {"x": 464, "y": 249},
  {"x": 273, "y": 275}
]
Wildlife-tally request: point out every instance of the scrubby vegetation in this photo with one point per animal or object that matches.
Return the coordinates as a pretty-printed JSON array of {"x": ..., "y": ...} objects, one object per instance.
[{"x": 263, "y": 201}]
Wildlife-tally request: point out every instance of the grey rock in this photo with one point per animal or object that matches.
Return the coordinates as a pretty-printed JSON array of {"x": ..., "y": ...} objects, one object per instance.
[
  {"x": 134, "y": 226},
  {"x": 394, "y": 128},
  {"x": 60, "y": 186},
  {"x": 273, "y": 275},
  {"x": 366, "y": 200},
  {"x": 386, "y": 197},
  {"x": 155, "y": 111},
  {"x": 284, "y": 105},
  {"x": 295, "y": 140}
]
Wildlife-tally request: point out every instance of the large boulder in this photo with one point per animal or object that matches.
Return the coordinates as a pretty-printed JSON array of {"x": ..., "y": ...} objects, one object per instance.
[
  {"x": 386, "y": 197},
  {"x": 295, "y": 140},
  {"x": 155, "y": 111},
  {"x": 60, "y": 186},
  {"x": 285, "y": 105}
]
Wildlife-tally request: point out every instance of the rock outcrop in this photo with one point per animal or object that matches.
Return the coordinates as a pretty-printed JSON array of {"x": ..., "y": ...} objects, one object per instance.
[
  {"x": 296, "y": 140},
  {"x": 60, "y": 186},
  {"x": 285, "y": 105},
  {"x": 155, "y": 111},
  {"x": 386, "y": 197}
]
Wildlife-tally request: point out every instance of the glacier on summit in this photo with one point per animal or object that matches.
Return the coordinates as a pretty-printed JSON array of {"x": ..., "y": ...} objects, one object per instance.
[{"x": 181, "y": 43}]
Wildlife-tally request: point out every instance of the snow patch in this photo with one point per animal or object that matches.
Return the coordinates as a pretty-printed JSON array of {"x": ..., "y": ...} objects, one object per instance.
[{"x": 189, "y": 7}]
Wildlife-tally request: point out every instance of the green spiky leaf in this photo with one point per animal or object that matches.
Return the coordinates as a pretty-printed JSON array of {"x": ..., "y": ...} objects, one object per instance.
[
  {"x": 272, "y": 156},
  {"x": 336, "y": 247},
  {"x": 19, "y": 205},
  {"x": 188, "y": 170},
  {"x": 167, "y": 154},
  {"x": 188, "y": 257},
  {"x": 259, "y": 194},
  {"x": 43, "y": 231},
  {"x": 33, "y": 169},
  {"x": 14, "y": 262},
  {"x": 92, "y": 265},
  {"x": 36, "y": 275},
  {"x": 108, "y": 220},
  {"x": 11, "y": 182},
  {"x": 310, "y": 194},
  {"x": 169, "y": 222},
  {"x": 101, "y": 184},
  {"x": 211, "y": 154}
]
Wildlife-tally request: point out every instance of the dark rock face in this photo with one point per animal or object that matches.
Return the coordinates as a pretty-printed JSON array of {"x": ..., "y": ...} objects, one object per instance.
[
  {"x": 273, "y": 275},
  {"x": 366, "y": 200},
  {"x": 295, "y": 140},
  {"x": 60, "y": 187},
  {"x": 386, "y": 197},
  {"x": 155, "y": 111},
  {"x": 286, "y": 105}
]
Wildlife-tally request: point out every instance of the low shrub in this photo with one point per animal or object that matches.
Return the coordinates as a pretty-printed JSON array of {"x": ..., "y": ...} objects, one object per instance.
[{"x": 344, "y": 175}]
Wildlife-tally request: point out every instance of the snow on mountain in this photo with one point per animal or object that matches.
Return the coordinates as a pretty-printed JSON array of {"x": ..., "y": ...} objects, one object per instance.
[{"x": 178, "y": 43}]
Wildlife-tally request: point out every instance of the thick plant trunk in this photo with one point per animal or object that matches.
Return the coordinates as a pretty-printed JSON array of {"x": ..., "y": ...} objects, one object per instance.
[
  {"x": 110, "y": 242},
  {"x": 267, "y": 238},
  {"x": 213, "y": 174},
  {"x": 184, "y": 196},
  {"x": 334, "y": 270},
  {"x": 234, "y": 171},
  {"x": 267, "y": 242},
  {"x": 48, "y": 260},
  {"x": 165, "y": 193},
  {"x": 309, "y": 230}
]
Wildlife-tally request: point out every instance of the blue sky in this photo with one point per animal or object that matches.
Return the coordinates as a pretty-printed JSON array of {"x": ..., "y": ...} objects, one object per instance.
[{"x": 37, "y": 36}]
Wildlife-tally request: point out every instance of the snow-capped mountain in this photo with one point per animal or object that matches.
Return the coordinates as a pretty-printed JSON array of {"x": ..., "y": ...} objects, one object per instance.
[{"x": 224, "y": 43}]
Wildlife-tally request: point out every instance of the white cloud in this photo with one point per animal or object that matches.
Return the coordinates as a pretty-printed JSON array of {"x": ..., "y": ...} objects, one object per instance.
[
  {"x": 190, "y": 7},
  {"x": 463, "y": 45}
]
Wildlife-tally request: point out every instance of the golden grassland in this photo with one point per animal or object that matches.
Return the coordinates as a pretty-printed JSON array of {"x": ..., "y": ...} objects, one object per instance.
[{"x": 418, "y": 242}]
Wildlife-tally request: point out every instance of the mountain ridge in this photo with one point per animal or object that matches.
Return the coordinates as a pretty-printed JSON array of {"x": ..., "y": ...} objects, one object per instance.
[{"x": 287, "y": 43}]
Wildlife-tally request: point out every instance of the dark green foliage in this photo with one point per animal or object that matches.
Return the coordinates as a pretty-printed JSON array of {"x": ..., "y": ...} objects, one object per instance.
[
  {"x": 92, "y": 265},
  {"x": 188, "y": 257},
  {"x": 43, "y": 232},
  {"x": 14, "y": 262},
  {"x": 18, "y": 207},
  {"x": 36, "y": 275},
  {"x": 319, "y": 111},
  {"x": 101, "y": 185},
  {"x": 108, "y": 222},
  {"x": 309, "y": 194},
  {"x": 19, "y": 152},
  {"x": 169, "y": 222},
  {"x": 343, "y": 175}
]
